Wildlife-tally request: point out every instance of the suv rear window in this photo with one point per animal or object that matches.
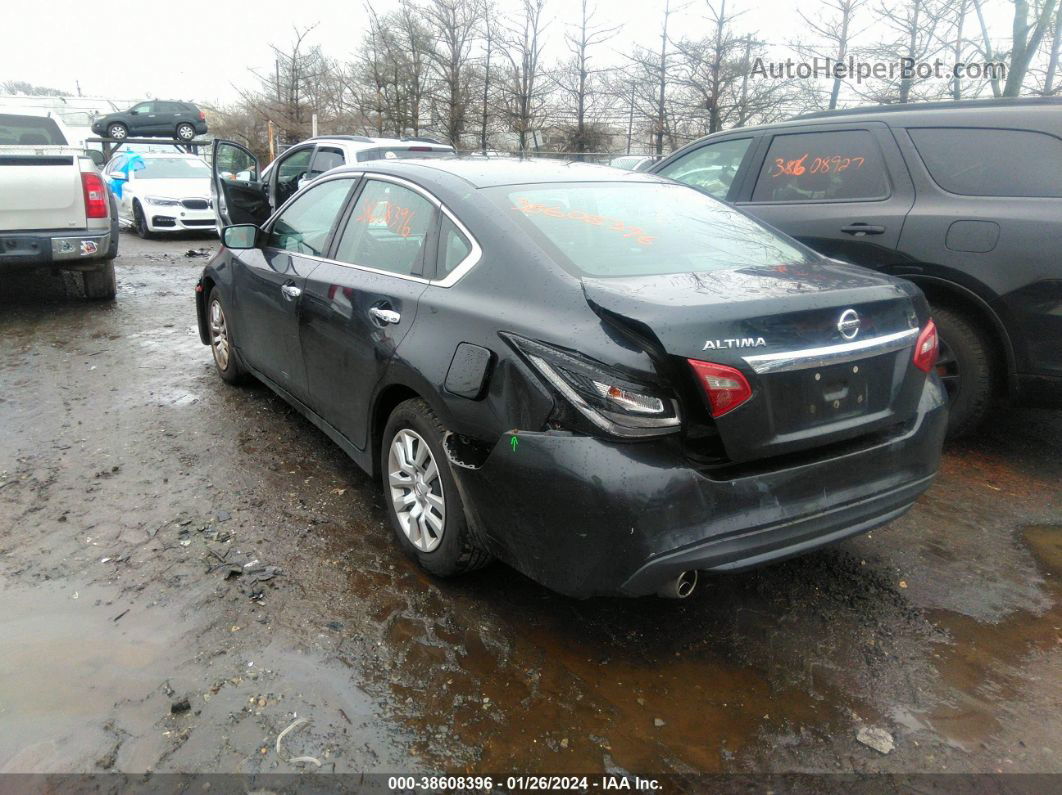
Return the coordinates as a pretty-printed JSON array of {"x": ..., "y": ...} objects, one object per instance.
[
  {"x": 983, "y": 162},
  {"x": 29, "y": 131},
  {"x": 822, "y": 166},
  {"x": 641, "y": 229}
]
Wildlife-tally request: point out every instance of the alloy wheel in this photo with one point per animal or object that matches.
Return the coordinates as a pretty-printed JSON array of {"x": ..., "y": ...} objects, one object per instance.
[
  {"x": 947, "y": 368},
  {"x": 219, "y": 335},
  {"x": 185, "y": 132},
  {"x": 416, "y": 490},
  {"x": 117, "y": 132}
]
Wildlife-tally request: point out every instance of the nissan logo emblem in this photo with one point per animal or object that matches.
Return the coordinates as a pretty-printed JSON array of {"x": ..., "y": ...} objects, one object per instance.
[{"x": 848, "y": 324}]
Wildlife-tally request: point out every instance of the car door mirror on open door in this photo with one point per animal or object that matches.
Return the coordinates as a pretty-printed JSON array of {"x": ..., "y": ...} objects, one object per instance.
[{"x": 241, "y": 236}]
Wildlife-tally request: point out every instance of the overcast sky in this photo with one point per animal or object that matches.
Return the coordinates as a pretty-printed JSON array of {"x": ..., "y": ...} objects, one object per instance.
[{"x": 144, "y": 49}]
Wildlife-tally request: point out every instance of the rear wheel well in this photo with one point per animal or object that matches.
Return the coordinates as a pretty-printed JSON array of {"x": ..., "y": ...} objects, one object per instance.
[
  {"x": 388, "y": 400},
  {"x": 958, "y": 300}
]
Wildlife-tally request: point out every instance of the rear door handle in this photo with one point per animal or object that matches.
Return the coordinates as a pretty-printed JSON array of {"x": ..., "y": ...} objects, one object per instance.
[
  {"x": 863, "y": 229},
  {"x": 290, "y": 290},
  {"x": 385, "y": 316}
]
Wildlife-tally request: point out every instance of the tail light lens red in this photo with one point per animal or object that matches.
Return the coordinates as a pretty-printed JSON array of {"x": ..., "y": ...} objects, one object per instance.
[
  {"x": 926, "y": 348},
  {"x": 202, "y": 116},
  {"x": 726, "y": 387},
  {"x": 95, "y": 195}
]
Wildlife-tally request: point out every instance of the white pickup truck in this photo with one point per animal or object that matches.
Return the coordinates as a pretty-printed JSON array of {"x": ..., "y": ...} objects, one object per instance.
[{"x": 55, "y": 209}]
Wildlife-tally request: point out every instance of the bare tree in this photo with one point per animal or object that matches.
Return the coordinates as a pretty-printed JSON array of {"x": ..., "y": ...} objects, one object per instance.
[
  {"x": 488, "y": 34},
  {"x": 1052, "y": 59},
  {"x": 1026, "y": 41},
  {"x": 986, "y": 46},
  {"x": 524, "y": 87},
  {"x": 454, "y": 25},
  {"x": 834, "y": 25},
  {"x": 578, "y": 80},
  {"x": 916, "y": 27},
  {"x": 283, "y": 93}
]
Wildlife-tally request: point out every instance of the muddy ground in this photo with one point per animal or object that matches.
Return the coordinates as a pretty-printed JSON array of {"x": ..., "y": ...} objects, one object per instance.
[{"x": 135, "y": 487}]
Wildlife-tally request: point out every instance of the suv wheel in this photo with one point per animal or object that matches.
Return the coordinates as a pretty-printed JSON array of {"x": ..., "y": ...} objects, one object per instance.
[
  {"x": 226, "y": 360},
  {"x": 967, "y": 368},
  {"x": 117, "y": 131},
  {"x": 185, "y": 131},
  {"x": 423, "y": 503}
]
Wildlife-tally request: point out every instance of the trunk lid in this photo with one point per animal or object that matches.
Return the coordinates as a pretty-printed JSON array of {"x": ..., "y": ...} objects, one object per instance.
[
  {"x": 40, "y": 188},
  {"x": 814, "y": 380}
]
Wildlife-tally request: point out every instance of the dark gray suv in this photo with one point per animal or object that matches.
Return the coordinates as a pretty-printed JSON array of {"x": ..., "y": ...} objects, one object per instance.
[{"x": 962, "y": 198}]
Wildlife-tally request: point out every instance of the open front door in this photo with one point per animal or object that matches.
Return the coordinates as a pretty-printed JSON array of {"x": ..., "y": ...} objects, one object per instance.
[{"x": 239, "y": 195}]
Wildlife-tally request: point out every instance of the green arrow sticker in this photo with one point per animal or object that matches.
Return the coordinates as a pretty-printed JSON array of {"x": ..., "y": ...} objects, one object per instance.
[{"x": 513, "y": 442}]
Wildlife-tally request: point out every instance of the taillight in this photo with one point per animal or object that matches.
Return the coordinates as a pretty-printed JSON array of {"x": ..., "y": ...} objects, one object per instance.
[
  {"x": 95, "y": 195},
  {"x": 926, "y": 347},
  {"x": 202, "y": 116},
  {"x": 725, "y": 387}
]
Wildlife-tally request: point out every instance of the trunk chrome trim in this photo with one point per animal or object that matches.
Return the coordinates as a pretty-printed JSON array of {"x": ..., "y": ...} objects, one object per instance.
[{"x": 831, "y": 354}]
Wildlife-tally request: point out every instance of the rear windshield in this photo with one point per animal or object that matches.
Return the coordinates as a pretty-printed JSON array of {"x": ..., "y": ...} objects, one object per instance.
[
  {"x": 29, "y": 131},
  {"x": 638, "y": 229},
  {"x": 169, "y": 168},
  {"x": 402, "y": 152}
]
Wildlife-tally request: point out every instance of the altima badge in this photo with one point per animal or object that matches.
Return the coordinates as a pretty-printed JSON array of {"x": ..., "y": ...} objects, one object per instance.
[
  {"x": 740, "y": 342},
  {"x": 849, "y": 324}
]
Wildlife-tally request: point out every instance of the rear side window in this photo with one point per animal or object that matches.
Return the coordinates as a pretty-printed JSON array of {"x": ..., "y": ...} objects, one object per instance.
[
  {"x": 29, "y": 131},
  {"x": 387, "y": 229},
  {"x": 324, "y": 160},
  {"x": 402, "y": 152},
  {"x": 976, "y": 162},
  {"x": 711, "y": 168},
  {"x": 304, "y": 226},
  {"x": 453, "y": 247},
  {"x": 824, "y": 166}
]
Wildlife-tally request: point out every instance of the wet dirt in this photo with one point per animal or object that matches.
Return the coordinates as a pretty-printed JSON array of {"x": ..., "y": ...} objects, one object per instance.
[{"x": 142, "y": 500}]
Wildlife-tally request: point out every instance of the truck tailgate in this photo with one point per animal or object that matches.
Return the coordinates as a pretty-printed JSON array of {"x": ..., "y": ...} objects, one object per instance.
[{"x": 40, "y": 188}]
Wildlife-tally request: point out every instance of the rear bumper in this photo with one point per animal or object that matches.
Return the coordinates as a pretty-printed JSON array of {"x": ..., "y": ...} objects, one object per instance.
[
  {"x": 588, "y": 517},
  {"x": 63, "y": 248}
]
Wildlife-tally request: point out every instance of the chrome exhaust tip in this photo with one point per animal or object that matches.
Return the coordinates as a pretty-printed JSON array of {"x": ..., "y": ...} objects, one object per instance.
[{"x": 680, "y": 587}]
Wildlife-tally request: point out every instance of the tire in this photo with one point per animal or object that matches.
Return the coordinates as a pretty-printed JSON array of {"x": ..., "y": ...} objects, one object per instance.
[
  {"x": 185, "y": 131},
  {"x": 968, "y": 369},
  {"x": 140, "y": 222},
  {"x": 117, "y": 131},
  {"x": 444, "y": 546},
  {"x": 226, "y": 359},
  {"x": 101, "y": 284}
]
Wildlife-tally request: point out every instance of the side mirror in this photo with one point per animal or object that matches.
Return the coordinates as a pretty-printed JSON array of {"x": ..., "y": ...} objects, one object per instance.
[{"x": 241, "y": 236}]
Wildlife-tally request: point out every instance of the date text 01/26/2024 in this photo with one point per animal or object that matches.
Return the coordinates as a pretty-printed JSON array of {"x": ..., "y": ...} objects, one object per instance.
[{"x": 605, "y": 783}]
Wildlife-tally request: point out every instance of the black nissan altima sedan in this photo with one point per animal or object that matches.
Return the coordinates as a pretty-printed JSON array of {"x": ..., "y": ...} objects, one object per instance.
[{"x": 607, "y": 380}]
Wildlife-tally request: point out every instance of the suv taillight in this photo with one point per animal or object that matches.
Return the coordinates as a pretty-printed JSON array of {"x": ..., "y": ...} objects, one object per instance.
[
  {"x": 725, "y": 387},
  {"x": 95, "y": 195},
  {"x": 926, "y": 347},
  {"x": 202, "y": 116}
]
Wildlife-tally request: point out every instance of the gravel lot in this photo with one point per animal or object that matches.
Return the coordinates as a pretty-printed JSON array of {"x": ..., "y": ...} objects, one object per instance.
[{"x": 143, "y": 504}]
